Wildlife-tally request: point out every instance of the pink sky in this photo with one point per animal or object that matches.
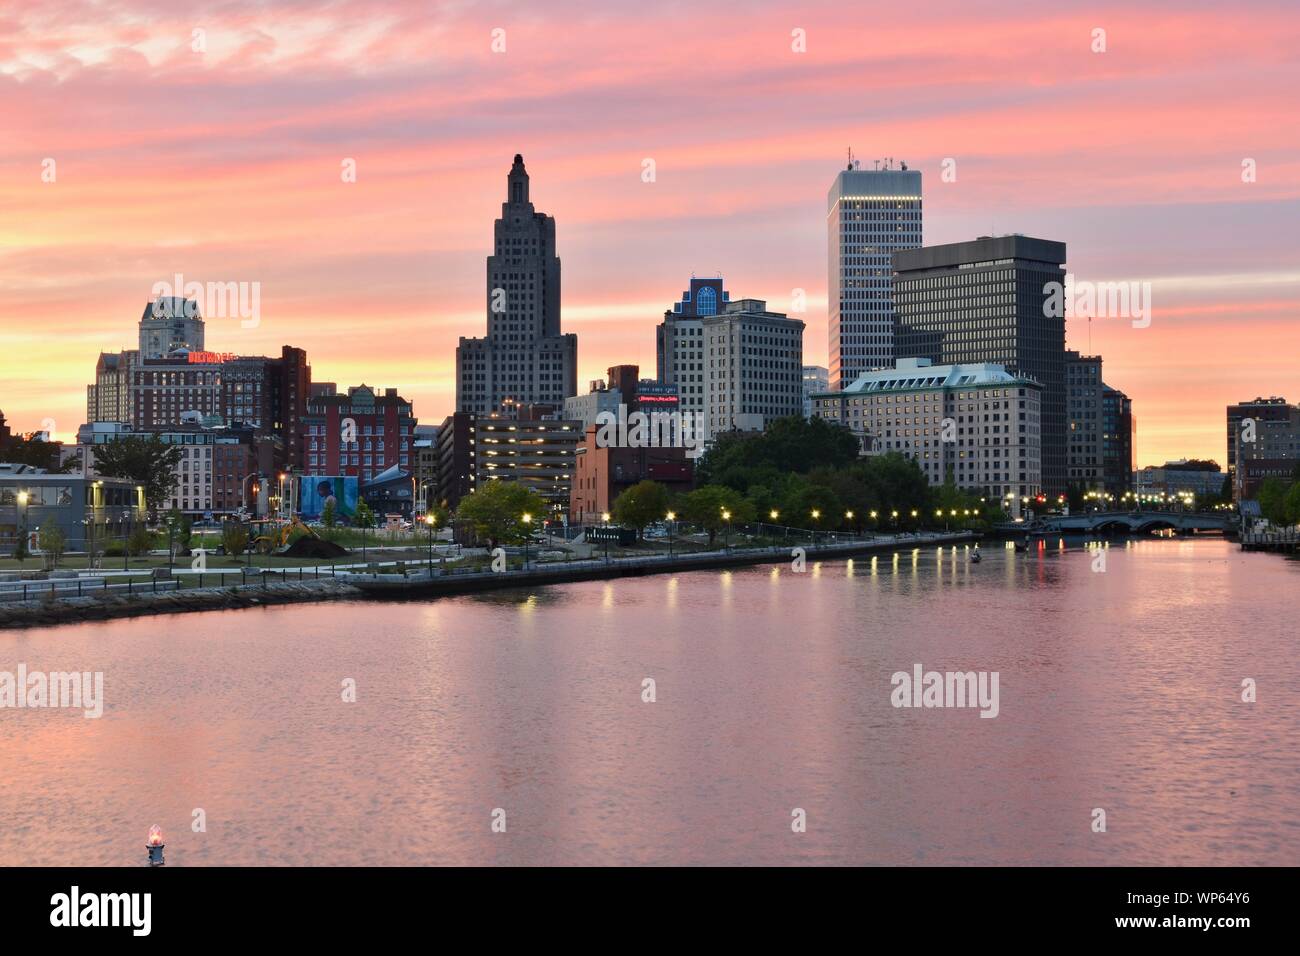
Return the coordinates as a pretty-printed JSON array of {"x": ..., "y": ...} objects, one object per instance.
[{"x": 224, "y": 165}]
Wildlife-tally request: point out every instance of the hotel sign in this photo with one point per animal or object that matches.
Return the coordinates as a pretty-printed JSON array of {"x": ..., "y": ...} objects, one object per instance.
[{"x": 211, "y": 358}]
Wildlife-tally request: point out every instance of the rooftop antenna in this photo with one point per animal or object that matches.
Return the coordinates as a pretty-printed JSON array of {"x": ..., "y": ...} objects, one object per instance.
[
  {"x": 850, "y": 166},
  {"x": 876, "y": 163}
]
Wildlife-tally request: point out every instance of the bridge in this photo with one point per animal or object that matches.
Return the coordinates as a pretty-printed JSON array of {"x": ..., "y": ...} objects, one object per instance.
[{"x": 1131, "y": 522}]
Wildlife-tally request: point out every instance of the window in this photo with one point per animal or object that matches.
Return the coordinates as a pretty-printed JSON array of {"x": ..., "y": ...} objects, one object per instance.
[{"x": 707, "y": 302}]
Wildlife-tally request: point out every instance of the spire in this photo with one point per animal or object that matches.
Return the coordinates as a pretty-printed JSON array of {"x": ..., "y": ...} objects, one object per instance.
[{"x": 517, "y": 182}]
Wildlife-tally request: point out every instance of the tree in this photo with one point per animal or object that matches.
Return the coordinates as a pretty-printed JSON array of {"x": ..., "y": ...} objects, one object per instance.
[
  {"x": 793, "y": 444},
  {"x": 642, "y": 504},
  {"x": 706, "y": 506},
  {"x": 365, "y": 517},
  {"x": 234, "y": 537},
  {"x": 140, "y": 540},
  {"x": 327, "y": 516},
  {"x": 180, "y": 527},
  {"x": 495, "y": 511},
  {"x": 20, "y": 546},
  {"x": 1272, "y": 500},
  {"x": 1291, "y": 504},
  {"x": 34, "y": 451},
  {"x": 53, "y": 542},
  {"x": 149, "y": 462}
]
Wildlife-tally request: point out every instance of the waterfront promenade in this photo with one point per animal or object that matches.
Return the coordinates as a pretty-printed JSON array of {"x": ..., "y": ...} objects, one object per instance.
[{"x": 70, "y": 599}]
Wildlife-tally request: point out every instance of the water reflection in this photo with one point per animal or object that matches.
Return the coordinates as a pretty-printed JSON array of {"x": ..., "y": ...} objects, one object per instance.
[{"x": 1118, "y": 689}]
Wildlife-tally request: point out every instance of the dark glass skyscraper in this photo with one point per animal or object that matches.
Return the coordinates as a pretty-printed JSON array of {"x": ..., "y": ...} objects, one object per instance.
[
  {"x": 524, "y": 358},
  {"x": 988, "y": 301}
]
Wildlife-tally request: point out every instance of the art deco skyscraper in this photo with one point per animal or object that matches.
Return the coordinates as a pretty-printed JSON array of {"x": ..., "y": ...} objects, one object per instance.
[
  {"x": 870, "y": 215},
  {"x": 524, "y": 358}
]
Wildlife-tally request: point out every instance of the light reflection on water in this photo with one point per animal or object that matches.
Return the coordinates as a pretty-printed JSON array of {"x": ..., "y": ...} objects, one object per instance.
[{"x": 1119, "y": 690}]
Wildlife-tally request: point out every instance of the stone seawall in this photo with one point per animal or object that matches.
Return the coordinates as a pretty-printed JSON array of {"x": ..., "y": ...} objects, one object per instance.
[{"x": 103, "y": 606}]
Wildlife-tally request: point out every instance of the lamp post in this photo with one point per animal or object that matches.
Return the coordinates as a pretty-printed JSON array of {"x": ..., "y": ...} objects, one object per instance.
[
  {"x": 528, "y": 531},
  {"x": 774, "y": 515},
  {"x": 22, "y": 520},
  {"x": 848, "y": 516},
  {"x": 171, "y": 542},
  {"x": 604, "y": 517},
  {"x": 671, "y": 517},
  {"x": 127, "y": 527},
  {"x": 428, "y": 520},
  {"x": 816, "y": 514},
  {"x": 726, "y": 541}
]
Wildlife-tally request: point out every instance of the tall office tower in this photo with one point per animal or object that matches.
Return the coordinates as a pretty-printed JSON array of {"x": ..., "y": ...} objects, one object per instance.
[
  {"x": 754, "y": 367},
  {"x": 168, "y": 323},
  {"x": 991, "y": 300},
  {"x": 1084, "y": 465},
  {"x": 1117, "y": 441},
  {"x": 679, "y": 341},
  {"x": 524, "y": 359},
  {"x": 870, "y": 215}
]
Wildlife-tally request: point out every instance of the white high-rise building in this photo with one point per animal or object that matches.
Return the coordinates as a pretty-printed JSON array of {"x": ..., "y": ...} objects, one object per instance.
[
  {"x": 976, "y": 425},
  {"x": 870, "y": 214},
  {"x": 679, "y": 342},
  {"x": 754, "y": 371}
]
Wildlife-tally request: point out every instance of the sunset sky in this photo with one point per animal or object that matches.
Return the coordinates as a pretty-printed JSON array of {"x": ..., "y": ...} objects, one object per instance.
[{"x": 223, "y": 164}]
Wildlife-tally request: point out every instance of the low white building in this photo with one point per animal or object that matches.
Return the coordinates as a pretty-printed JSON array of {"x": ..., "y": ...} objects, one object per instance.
[{"x": 977, "y": 425}]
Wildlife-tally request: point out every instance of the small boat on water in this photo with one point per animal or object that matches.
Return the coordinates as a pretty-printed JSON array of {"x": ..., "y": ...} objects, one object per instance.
[
  {"x": 1022, "y": 545},
  {"x": 975, "y": 557}
]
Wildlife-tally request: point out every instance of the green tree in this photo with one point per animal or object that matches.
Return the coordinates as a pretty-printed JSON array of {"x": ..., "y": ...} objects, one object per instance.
[
  {"x": 792, "y": 444},
  {"x": 149, "y": 462},
  {"x": 327, "y": 516},
  {"x": 53, "y": 542},
  {"x": 706, "y": 507},
  {"x": 1291, "y": 504},
  {"x": 234, "y": 537},
  {"x": 365, "y": 518},
  {"x": 495, "y": 510},
  {"x": 642, "y": 504},
  {"x": 1272, "y": 500},
  {"x": 140, "y": 540},
  {"x": 30, "y": 450}
]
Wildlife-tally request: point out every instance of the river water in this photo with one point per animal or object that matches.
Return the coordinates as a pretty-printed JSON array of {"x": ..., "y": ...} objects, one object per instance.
[{"x": 1119, "y": 690}]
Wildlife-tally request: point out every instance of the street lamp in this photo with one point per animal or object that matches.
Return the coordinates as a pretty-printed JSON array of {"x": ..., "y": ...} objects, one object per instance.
[
  {"x": 528, "y": 520},
  {"x": 726, "y": 516},
  {"x": 428, "y": 520},
  {"x": 22, "y": 518},
  {"x": 604, "y": 517},
  {"x": 171, "y": 542},
  {"x": 127, "y": 527},
  {"x": 671, "y": 518},
  {"x": 816, "y": 514}
]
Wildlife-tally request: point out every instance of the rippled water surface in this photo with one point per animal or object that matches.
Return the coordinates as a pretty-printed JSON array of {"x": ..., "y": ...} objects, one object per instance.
[{"x": 1119, "y": 690}]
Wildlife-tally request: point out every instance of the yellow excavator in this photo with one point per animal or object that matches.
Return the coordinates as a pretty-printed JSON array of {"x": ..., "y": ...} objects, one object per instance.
[{"x": 276, "y": 537}]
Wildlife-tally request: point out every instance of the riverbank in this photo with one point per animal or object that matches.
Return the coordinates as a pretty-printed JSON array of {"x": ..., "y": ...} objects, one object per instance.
[
  {"x": 422, "y": 584},
  {"x": 54, "y": 609},
  {"x": 115, "y": 604}
]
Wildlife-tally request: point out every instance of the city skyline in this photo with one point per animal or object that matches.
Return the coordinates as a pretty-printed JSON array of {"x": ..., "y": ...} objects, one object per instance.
[{"x": 736, "y": 191}]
